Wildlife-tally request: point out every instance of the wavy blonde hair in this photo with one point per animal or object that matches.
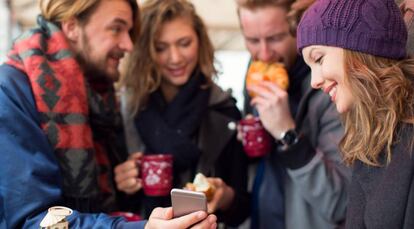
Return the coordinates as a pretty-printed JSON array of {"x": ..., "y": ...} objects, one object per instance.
[
  {"x": 142, "y": 75},
  {"x": 57, "y": 11},
  {"x": 384, "y": 98}
]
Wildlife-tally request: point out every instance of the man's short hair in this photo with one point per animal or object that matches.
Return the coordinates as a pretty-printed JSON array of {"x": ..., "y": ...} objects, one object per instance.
[
  {"x": 57, "y": 11},
  {"x": 253, "y": 4},
  {"x": 295, "y": 9}
]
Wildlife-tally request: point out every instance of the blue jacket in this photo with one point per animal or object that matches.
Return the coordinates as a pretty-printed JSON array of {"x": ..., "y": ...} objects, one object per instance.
[{"x": 30, "y": 179}]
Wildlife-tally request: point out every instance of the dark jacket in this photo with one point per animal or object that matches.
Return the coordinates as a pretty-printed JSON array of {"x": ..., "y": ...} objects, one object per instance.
[
  {"x": 30, "y": 176},
  {"x": 221, "y": 156},
  {"x": 383, "y": 197}
]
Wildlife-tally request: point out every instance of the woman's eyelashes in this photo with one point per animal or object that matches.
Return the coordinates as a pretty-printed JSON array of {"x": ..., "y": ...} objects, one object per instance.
[
  {"x": 185, "y": 43},
  {"x": 319, "y": 60},
  {"x": 160, "y": 47}
]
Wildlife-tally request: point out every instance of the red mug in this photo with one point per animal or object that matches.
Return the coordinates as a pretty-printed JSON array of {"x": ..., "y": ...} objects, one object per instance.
[
  {"x": 156, "y": 174},
  {"x": 257, "y": 142}
]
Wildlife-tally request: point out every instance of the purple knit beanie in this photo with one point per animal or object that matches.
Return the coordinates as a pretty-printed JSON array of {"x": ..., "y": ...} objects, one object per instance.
[{"x": 374, "y": 27}]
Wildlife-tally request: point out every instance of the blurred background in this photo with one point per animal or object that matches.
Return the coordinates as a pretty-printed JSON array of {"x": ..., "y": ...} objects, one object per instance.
[{"x": 220, "y": 17}]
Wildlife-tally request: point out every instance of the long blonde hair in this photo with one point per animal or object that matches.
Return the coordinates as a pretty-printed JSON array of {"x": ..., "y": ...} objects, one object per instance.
[
  {"x": 384, "y": 98},
  {"x": 57, "y": 11},
  {"x": 142, "y": 75}
]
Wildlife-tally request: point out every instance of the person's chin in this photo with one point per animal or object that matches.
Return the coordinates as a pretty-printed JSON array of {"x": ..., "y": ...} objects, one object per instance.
[
  {"x": 341, "y": 109},
  {"x": 179, "y": 80},
  {"x": 112, "y": 74}
]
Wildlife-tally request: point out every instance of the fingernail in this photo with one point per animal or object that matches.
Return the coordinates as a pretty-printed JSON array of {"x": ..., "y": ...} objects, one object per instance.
[
  {"x": 214, "y": 225},
  {"x": 212, "y": 219},
  {"x": 201, "y": 215}
]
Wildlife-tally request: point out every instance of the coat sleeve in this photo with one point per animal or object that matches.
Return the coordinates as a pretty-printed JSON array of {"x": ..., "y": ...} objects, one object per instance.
[
  {"x": 233, "y": 168},
  {"x": 236, "y": 177},
  {"x": 356, "y": 207},
  {"x": 30, "y": 179},
  {"x": 315, "y": 164}
]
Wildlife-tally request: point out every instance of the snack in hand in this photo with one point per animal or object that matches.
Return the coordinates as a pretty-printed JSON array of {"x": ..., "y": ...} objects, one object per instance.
[
  {"x": 273, "y": 72},
  {"x": 201, "y": 184}
]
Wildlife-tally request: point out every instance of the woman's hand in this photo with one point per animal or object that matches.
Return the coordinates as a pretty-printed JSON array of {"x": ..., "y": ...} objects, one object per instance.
[
  {"x": 223, "y": 195},
  {"x": 126, "y": 174}
]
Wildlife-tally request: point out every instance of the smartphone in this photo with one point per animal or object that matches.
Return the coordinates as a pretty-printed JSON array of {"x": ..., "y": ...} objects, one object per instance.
[{"x": 184, "y": 202}]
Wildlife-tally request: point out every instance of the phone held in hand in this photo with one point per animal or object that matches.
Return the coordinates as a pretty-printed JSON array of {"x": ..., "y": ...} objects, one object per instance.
[{"x": 185, "y": 202}]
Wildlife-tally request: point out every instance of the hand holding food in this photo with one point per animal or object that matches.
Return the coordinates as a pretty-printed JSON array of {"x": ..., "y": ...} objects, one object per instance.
[
  {"x": 223, "y": 196},
  {"x": 261, "y": 71},
  {"x": 267, "y": 84},
  {"x": 219, "y": 194},
  {"x": 201, "y": 184}
]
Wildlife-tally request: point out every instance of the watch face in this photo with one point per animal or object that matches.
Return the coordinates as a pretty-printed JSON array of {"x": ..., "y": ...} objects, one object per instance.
[{"x": 290, "y": 137}]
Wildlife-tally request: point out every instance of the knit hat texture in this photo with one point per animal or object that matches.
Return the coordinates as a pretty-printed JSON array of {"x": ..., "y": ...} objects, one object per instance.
[{"x": 374, "y": 27}]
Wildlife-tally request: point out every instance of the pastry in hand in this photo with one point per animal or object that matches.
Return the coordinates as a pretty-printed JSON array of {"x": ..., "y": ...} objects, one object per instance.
[
  {"x": 273, "y": 72},
  {"x": 201, "y": 184}
]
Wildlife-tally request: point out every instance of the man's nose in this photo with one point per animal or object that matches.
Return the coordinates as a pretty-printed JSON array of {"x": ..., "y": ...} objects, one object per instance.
[
  {"x": 265, "y": 54},
  {"x": 126, "y": 43}
]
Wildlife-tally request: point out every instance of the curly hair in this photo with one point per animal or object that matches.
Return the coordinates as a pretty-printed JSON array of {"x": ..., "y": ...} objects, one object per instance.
[{"x": 384, "y": 98}]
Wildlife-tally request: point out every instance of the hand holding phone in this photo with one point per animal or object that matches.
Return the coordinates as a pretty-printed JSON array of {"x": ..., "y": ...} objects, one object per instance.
[{"x": 185, "y": 202}]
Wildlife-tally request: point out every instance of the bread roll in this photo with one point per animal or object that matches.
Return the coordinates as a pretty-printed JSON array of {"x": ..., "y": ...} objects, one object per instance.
[
  {"x": 201, "y": 184},
  {"x": 261, "y": 71}
]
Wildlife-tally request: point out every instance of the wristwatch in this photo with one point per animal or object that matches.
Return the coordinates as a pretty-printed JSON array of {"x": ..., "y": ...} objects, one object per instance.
[{"x": 288, "y": 138}]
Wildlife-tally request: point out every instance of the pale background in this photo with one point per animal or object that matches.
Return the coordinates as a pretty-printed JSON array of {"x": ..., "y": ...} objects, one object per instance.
[{"x": 220, "y": 17}]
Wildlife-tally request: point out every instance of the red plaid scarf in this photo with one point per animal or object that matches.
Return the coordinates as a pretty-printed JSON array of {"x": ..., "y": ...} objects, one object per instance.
[{"x": 61, "y": 95}]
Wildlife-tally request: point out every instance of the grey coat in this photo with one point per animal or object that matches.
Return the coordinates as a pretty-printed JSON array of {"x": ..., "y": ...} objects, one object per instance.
[
  {"x": 322, "y": 183},
  {"x": 383, "y": 197},
  {"x": 315, "y": 182}
]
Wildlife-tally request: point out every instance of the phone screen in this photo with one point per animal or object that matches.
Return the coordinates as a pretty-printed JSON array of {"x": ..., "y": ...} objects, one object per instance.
[{"x": 184, "y": 202}]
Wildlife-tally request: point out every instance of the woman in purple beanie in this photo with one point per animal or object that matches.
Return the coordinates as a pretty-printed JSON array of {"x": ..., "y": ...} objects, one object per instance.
[{"x": 357, "y": 53}]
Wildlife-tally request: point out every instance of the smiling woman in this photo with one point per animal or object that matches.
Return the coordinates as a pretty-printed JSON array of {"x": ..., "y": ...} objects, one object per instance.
[
  {"x": 173, "y": 106},
  {"x": 360, "y": 60},
  {"x": 328, "y": 74},
  {"x": 177, "y": 55},
  {"x": 151, "y": 49}
]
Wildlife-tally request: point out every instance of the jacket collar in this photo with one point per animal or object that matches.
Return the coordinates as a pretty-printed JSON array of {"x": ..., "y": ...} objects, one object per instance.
[{"x": 215, "y": 122}]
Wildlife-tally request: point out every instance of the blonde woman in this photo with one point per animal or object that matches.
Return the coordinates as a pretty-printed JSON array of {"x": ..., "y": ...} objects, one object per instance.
[
  {"x": 357, "y": 53},
  {"x": 175, "y": 108}
]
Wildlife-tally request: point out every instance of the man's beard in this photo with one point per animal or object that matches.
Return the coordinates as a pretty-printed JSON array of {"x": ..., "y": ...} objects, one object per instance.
[{"x": 93, "y": 71}]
